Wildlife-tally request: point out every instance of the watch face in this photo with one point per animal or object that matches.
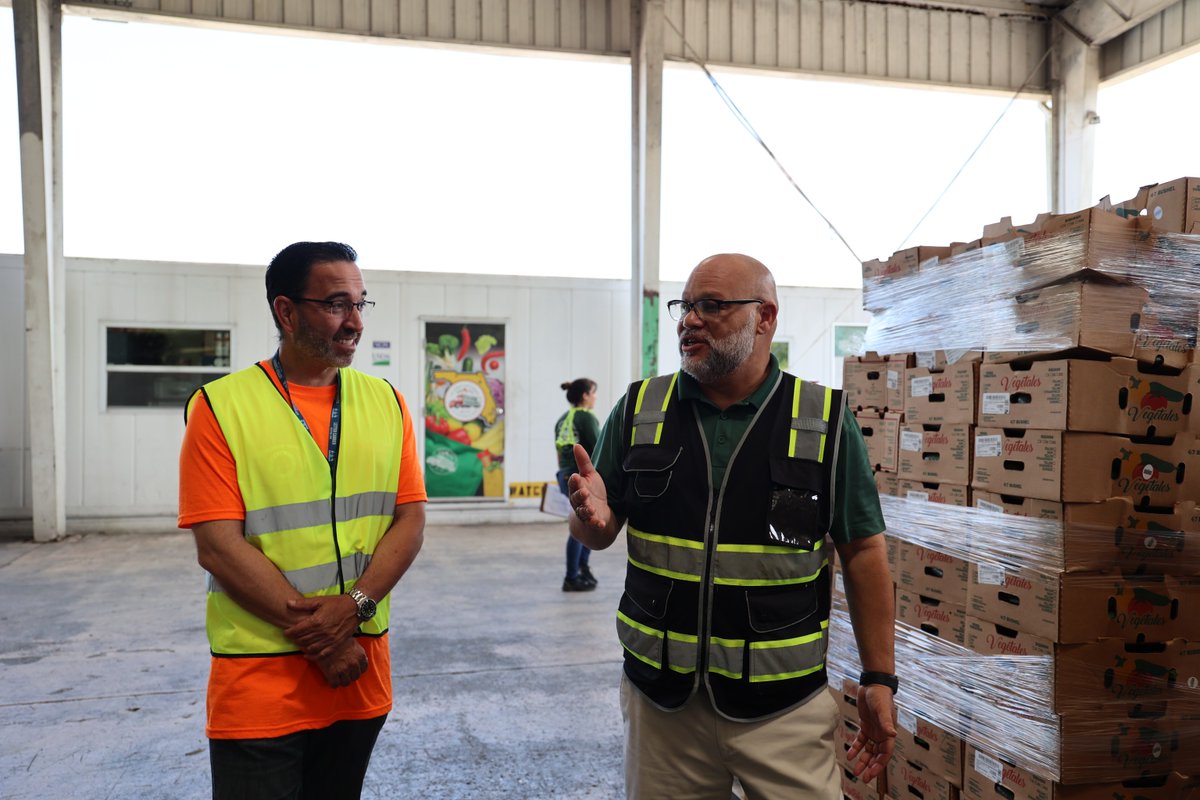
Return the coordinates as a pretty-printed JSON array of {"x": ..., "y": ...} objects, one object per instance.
[{"x": 366, "y": 609}]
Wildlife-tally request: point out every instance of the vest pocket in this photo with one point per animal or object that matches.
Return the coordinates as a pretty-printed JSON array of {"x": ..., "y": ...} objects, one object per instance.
[
  {"x": 794, "y": 517},
  {"x": 775, "y": 608},
  {"x": 651, "y": 467},
  {"x": 648, "y": 592}
]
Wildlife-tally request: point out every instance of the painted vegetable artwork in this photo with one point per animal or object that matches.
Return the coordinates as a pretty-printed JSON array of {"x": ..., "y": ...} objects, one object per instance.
[{"x": 464, "y": 409}]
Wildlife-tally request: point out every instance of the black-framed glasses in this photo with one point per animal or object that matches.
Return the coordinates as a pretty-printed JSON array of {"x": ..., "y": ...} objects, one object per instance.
[
  {"x": 705, "y": 308},
  {"x": 338, "y": 308}
]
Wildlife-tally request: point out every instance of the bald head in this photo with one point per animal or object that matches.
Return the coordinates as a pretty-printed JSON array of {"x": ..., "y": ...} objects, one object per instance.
[
  {"x": 742, "y": 274},
  {"x": 731, "y": 276},
  {"x": 728, "y": 349}
]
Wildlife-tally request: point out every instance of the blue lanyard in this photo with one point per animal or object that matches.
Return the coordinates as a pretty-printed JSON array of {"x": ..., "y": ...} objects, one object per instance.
[{"x": 335, "y": 415}]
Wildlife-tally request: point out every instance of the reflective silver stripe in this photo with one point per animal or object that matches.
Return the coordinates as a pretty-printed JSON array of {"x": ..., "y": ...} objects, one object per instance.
[
  {"x": 643, "y": 642},
  {"x": 314, "y": 579},
  {"x": 725, "y": 656},
  {"x": 806, "y": 424},
  {"x": 669, "y": 556},
  {"x": 783, "y": 659},
  {"x": 650, "y": 409},
  {"x": 365, "y": 504},
  {"x": 809, "y": 422},
  {"x": 293, "y": 516},
  {"x": 646, "y": 644},
  {"x": 767, "y": 565},
  {"x": 681, "y": 652}
]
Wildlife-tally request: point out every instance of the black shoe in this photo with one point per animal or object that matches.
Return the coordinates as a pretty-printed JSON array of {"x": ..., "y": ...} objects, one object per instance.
[
  {"x": 577, "y": 584},
  {"x": 586, "y": 575}
]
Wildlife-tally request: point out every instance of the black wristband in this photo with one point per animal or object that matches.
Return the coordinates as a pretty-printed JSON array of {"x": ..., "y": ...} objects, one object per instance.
[{"x": 887, "y": 679}]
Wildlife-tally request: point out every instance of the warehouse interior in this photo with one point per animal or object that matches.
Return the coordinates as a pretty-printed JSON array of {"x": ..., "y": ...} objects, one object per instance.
[{"x": 1056, "y": 594}]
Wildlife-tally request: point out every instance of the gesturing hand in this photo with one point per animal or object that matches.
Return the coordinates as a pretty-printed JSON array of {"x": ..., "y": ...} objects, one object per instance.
[{"x": 586, "y": 492}]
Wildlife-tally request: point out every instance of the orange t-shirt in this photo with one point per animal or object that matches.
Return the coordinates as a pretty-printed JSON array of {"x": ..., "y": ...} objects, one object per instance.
[{"x": 264, "y": 697}]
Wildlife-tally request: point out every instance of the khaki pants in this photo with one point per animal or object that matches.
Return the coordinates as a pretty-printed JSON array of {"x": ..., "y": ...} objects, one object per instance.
[{"x": 695, "y": 753}]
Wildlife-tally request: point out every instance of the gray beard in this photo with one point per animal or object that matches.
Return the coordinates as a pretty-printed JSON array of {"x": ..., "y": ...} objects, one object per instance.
[
  {"x": 309, "y": 343},
  {"x": 724, "y": 355}
]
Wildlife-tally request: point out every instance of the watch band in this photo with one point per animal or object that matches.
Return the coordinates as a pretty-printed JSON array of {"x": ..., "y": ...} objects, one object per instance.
[
  {"x": 868, "y": 678},
  {"x": 366, "y": 606}
]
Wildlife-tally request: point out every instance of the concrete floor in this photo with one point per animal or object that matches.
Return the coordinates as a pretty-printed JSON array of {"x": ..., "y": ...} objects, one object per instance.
[{"x": 505, "y": 686}]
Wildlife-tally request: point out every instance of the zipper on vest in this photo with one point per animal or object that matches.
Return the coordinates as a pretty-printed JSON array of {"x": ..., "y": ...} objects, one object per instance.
[
  {"x": 706, "y": 593},
  {"x": 337, "y": 546}
]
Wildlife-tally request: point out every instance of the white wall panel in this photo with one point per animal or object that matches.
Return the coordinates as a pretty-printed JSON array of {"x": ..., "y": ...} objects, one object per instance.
[
  {"x": 122, "y": 463},
  {"x": 14, "y": 421}
]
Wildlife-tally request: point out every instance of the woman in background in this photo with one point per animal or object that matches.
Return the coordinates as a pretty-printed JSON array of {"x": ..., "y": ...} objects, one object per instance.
[{"x": 578, "y": 425}]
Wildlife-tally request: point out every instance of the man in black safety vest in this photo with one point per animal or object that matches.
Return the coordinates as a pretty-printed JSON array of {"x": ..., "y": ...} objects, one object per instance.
[{"x": 733, "y": 477}]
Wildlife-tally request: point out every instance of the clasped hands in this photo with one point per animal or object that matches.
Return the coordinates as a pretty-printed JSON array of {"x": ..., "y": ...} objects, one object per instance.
[{"x": 324, "y": 632}]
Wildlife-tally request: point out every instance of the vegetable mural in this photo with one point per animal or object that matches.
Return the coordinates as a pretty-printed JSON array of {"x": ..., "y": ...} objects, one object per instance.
[{"x": 464, "y": 410}]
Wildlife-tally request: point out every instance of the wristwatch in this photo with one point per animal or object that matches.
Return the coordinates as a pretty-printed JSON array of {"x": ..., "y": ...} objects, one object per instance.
[
  {"x": 366, "y": 606},
  {"x": 882, "y": 678}
]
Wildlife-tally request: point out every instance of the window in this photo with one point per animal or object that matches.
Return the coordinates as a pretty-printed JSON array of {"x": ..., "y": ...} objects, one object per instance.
[{"x": 149, "y": 367}]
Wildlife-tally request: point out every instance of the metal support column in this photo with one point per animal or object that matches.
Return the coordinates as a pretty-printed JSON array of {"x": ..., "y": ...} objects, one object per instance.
[
  {"x": 37, "y": 26},
  {"x": 647, "y": 17},
  {"x": 1075, "y": 77}
]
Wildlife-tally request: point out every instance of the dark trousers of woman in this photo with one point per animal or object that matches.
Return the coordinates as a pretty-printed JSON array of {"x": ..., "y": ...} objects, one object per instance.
[
  {"x": 577, "y": 553},
  {"x": 327, "y": 763}
]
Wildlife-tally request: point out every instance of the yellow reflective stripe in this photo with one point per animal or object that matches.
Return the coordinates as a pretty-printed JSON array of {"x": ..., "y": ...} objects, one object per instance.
[
  {"x": 825, "y": 416},
  {"x": 814, "y": 643},
  {"x": 665, "y": 403},
  {"x": 762, "y": 581},
  {"x": 666, "y": 573},
  {"x": 645, "y": 630},
  {"x": 764, "y": 548},
  {"x": 669, "y": 556},
  {"x": 725, "y": 656},
  {"x": 782, "y": 676},
  {"x": 795, "y": 413},
  {"x": 795, "y": 640},
  {"x": 691, "y": 640},
  {"x": 671, "y": 540},
  {"x": 775, "y": 569},
  {"x": 637, "y": 406}
]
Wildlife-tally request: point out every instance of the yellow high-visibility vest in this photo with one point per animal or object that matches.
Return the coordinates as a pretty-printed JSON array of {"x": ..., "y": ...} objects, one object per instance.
[{"x": 320, "y": 532}]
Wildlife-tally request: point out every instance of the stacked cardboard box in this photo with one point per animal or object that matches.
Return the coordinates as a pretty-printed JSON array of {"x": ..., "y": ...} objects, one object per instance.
[{"x": 1053, "y": 625}]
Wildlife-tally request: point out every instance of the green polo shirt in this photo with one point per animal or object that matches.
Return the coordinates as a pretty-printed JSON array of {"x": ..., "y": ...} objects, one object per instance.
[{"x": 856, "y": 510}]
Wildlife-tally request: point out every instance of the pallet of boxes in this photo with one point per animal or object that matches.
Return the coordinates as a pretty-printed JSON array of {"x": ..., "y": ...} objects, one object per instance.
[{"x": 1042, "y": 504}]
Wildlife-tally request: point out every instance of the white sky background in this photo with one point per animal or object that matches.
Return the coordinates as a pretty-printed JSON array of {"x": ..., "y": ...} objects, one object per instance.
[{"x": 474, "y": 162}]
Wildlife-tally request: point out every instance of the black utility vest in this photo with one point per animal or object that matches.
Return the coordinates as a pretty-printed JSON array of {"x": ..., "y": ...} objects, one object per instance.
[{"x": 729, "y": 586}]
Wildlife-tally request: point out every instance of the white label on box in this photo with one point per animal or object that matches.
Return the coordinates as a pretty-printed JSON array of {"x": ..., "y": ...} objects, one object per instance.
[
  {"x": 907, "y": 720},
  {"x": 921, "y": 387},
  {"x": 996, "y": 403},
  {"x": 986, "y": 506},
  {"x": 922, "y": 496},
  {"x": 913, "y": 441},
  {"x": 987, "y": 446},
  {"x": 927, "y": 360},
  {"x": 893, "y": 379},
  {"x": 989, "y": 767},
  {"x": 953, "y": 356},
  {"x": 991, "y": 575}
]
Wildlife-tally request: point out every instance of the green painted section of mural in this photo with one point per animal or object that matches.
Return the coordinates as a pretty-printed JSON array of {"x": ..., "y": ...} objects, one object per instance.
[{"x": 649, "y": 335}]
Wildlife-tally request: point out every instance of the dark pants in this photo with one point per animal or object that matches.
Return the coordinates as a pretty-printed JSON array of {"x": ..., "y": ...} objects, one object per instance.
[
  {"x": 328, "y": 763},
  {"x": 577, "y": 552}
]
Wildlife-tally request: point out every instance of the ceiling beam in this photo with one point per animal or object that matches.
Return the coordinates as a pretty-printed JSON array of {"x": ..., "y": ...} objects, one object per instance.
[{"x": 1099, "y": 21}]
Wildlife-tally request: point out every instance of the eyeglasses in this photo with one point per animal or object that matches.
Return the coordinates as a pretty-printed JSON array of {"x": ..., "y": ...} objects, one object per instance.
[
  {"x": 338, "y": 308},
  {"x": 705, "y": 308}
]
